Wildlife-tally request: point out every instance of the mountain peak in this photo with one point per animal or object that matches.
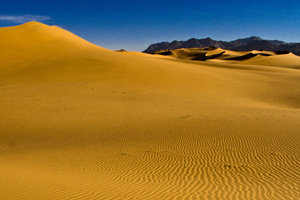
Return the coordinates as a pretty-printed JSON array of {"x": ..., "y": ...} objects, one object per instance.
[{"x": 255, "y": 38}]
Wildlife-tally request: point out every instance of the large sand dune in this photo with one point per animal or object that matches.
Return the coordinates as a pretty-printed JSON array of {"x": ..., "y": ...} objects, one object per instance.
[{"x": 78, "y": 121}]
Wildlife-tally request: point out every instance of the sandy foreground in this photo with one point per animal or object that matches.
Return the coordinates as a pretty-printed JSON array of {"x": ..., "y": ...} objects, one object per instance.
[{"x": 78, "y": 121}]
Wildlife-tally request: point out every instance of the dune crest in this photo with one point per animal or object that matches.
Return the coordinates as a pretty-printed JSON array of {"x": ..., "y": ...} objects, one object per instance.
[{"x": 78, "y": 121}]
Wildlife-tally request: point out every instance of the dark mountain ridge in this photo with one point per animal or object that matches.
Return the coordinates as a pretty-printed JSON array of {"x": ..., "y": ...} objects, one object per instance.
[{"x": 245, "y": 44}]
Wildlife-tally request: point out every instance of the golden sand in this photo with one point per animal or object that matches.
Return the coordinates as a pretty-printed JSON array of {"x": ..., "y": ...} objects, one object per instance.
[{"x": 78, "y": 121}]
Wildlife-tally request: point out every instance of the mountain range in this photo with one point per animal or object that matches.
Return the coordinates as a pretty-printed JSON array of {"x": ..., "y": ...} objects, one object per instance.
[{"x": 245, "y": 44}]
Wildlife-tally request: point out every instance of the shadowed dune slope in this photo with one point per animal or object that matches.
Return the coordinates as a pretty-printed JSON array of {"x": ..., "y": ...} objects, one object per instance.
[{"x": 78, "y": 121}]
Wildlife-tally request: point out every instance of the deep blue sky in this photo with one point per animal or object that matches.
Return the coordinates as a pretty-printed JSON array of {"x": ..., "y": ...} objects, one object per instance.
[{"x": 134, "y": 25}]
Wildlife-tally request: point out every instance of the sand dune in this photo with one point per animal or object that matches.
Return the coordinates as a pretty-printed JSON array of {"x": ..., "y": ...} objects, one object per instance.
[
  {"x": 266, "y": 58},
  {"x": 78, "y": 121},
  {"x": 288, "y": 60}
]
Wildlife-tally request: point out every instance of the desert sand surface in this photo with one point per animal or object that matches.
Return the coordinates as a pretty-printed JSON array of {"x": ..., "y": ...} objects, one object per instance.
[{"x": 78, "y": 121}]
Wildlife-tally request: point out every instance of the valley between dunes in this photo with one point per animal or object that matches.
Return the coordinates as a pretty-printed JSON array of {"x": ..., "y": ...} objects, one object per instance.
[{"x": 78, "y": 121}]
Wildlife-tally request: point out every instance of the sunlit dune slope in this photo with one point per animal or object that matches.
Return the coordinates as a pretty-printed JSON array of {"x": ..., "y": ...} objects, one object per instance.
[
  {"x": 78, "y": 121},
  {"x": 34, "y": 44}
]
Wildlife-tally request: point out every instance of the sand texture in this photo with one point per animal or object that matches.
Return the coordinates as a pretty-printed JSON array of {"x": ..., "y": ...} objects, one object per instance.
[{"x": 78, "y": 121}]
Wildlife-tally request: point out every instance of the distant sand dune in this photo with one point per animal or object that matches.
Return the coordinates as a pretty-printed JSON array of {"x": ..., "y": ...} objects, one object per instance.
[
  {"x": 287, "y": 60},
  {"x": 78, "y": 121},
  {"x": 267, "y": 58}
]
